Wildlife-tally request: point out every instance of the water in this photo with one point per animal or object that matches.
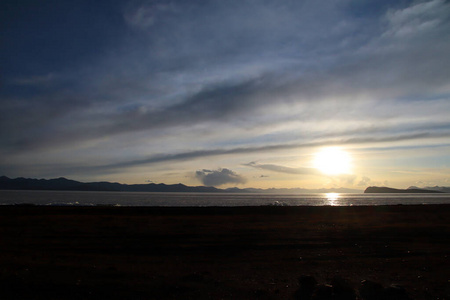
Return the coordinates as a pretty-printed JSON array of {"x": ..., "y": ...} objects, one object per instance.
[{"x": 216, "y": 199}]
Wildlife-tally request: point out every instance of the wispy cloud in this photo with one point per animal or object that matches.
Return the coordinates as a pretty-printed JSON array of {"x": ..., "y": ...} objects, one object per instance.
[
  {"x": 418, "y": 19},
  {"x": 365, "y": 181},
  {"x": 283, "y": 169},
  {"x": 202, "y": 154},
  {"x": 38, "y": 80},
  {"x": 146, "y": 14}
]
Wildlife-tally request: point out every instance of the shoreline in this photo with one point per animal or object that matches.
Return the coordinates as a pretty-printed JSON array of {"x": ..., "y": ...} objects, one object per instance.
[
  {"x": 191, "y": 207},
  {"x": 245, "y": 209},
  {"x": 137, "y": 199},
  {"x": 70, "y": 252}
]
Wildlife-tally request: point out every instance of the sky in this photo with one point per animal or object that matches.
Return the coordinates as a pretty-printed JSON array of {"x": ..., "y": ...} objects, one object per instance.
[{"x": 240, "y": 93}]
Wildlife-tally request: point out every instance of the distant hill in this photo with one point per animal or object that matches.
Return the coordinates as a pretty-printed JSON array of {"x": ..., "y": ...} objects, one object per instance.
[
  {"x": 439, "y": 188},
  {"x": 64, "y": 184},
  {"x": 411, "y": 190}
]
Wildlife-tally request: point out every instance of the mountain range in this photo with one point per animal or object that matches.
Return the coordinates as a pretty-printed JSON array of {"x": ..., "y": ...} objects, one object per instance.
[
  {"x": 64, "y": 184},
  {"x": 410, "y": 190}
]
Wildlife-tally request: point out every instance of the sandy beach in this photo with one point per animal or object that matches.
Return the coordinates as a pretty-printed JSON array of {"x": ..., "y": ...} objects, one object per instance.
[{"x": 219, "y": 253}]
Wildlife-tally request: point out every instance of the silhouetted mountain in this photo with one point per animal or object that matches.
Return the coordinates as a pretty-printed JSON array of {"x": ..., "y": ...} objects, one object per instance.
[
  {"x": 443, "y": 189},
  {"x": 38, "y": 184},
  {"x": 413, "y": 190},
  {"x": 72, "y": 185}
]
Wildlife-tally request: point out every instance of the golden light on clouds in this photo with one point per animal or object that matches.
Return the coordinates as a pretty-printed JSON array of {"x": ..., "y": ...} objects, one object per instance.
[{"x": 333, "y": 161}]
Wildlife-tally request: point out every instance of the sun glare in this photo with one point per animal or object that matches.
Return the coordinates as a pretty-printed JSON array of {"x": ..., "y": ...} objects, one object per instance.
[
  {"x": 332, "y": 161},
  {"x": 332, "y": 198}
]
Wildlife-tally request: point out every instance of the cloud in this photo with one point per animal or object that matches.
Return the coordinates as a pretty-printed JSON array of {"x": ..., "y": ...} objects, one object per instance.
[
  {"x": 158, "y": 158},
  {"x": 218, "y": 103},
  {"x": 82, "y": 168},
  {"x": 283, "y": 169},
  {"x": 146, "y": 14},
  {"x": 38, "y": 80},
  {"x": 365, "y": 181},
  {"x": 347, "y": 178},
  {"x": 133, "y": 99},
  {"x": 219, "y": 177},
  {"x": 417, "y": 19}
]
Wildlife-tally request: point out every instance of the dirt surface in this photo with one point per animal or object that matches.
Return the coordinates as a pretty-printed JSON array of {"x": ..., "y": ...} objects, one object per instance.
[{"x": 219, "y": 253}]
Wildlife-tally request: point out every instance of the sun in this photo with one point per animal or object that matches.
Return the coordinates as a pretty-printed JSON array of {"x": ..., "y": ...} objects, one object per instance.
[{"x": 332, "y": 161}]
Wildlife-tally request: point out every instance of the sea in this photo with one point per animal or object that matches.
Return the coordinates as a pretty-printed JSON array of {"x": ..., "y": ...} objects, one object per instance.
[{"x": 78, "y": 198}]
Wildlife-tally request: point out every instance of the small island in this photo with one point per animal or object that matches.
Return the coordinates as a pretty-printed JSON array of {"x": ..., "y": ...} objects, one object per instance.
[{"x": 376, "y": 189}]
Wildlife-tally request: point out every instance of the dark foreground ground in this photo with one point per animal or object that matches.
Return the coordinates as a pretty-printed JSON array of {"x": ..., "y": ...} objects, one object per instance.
[{"x": 219, "y": 253}]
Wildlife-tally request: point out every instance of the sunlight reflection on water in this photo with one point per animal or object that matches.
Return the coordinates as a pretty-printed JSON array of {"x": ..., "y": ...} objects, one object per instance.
[
  {"x": 214, "y": 199},
  {"x": 332, "y": 198}
]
